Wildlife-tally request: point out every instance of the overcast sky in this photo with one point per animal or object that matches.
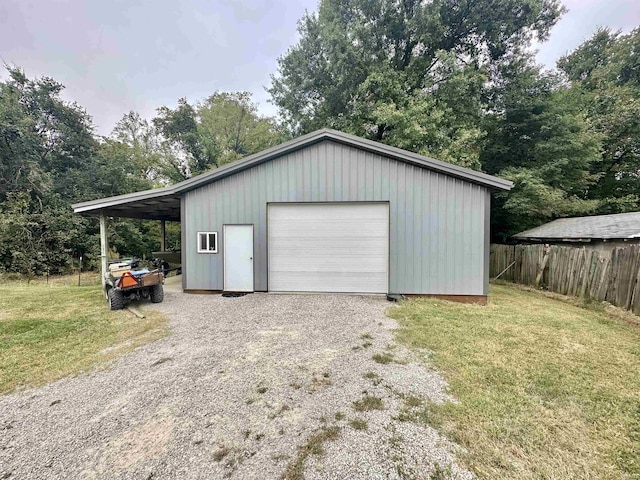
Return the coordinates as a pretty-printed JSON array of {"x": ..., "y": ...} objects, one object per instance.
[{"x": 119, "y": 55}]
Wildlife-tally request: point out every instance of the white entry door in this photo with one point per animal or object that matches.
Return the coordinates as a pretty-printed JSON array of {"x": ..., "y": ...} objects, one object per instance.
[
  {"x": 329, "y": 247},
  {"x": 238, "y": 258}
]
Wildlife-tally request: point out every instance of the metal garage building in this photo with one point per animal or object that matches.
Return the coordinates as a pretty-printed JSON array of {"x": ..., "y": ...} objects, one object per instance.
[{"x": 327, "y": 212}]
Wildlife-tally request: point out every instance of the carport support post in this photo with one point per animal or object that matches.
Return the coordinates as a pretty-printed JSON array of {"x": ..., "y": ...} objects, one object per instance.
[
  {"x": 104, "y": 248},
  {"x": 163, "y": 236}
]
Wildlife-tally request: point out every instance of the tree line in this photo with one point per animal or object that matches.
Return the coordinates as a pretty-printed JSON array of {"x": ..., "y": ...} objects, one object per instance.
[
  {"x": 452, "y": 79},
  {"x": 52, "y": 158}
]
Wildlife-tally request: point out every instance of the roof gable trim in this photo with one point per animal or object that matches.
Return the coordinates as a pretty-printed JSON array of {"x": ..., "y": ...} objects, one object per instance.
[
  {"x": 352, "y": 141},
  {"x": 394, "y": 153}
]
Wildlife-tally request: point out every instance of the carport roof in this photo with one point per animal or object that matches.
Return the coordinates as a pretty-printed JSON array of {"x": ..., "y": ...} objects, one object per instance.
[
  {"x": 164, "y": 203},
  {"x": 156, "y": 204}
]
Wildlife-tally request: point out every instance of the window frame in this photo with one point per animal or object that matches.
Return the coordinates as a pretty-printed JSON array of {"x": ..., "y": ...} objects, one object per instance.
[{"x": 198, "y": 236}]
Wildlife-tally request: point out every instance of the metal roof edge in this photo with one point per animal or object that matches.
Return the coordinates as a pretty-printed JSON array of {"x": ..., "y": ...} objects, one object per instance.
[
  {"x": 421, "y": 160},
  {"x": 296, "y": 144},
  {"x": 251, "y": 160},
  {"x": 351, "y": 140},
  {"x": 122, "y": 199}
]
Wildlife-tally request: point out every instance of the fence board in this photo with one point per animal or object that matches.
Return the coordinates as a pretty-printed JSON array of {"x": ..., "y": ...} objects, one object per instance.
[{"x": 578, "y": 271}]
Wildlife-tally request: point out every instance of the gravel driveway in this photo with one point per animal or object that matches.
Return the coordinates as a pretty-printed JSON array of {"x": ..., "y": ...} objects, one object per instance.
[{"x": 242, "y": 388}]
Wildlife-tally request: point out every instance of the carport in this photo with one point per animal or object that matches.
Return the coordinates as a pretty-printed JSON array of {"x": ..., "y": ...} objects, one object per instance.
[{"x": 162, "y": 204}]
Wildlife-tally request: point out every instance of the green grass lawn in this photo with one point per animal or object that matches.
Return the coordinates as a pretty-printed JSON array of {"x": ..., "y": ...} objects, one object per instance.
[
  {"x": 546, "y": 389},
  {"x": 49, "y": 331}
]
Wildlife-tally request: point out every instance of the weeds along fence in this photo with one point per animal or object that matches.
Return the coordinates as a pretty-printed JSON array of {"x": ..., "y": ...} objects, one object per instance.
[{"x": 578, "y": 271}]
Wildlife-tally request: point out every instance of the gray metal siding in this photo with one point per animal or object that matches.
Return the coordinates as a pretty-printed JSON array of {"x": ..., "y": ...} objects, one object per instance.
[
  {"x": 438, "y": 224},
  {"x": 183, "y": 241},
  {"x": 487, "y": 241}
]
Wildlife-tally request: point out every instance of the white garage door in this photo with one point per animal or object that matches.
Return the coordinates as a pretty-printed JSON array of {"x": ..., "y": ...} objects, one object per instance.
[{"x": 329, "y": 247}]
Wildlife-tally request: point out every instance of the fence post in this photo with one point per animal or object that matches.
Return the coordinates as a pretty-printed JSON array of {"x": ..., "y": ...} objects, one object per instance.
[{"x": 545, "y": 259}]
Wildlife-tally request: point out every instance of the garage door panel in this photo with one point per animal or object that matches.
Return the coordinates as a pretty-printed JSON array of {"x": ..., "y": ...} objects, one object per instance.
[
  {"x": 327, "y": 282},
  {"x": 356, "y": 261},
  {"x": 368, "y": 210},
  {"x": 328, "y": 247},
  {"x": 354, "y": 266},
  {"x": 286, "y": 246},
  {"x": 327, "y": 229}
]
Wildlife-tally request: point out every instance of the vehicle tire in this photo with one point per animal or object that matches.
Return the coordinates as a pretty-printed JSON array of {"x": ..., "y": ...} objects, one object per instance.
[
  {"x": 116, "y": 299},
  {"x": 157, "y": 293}
]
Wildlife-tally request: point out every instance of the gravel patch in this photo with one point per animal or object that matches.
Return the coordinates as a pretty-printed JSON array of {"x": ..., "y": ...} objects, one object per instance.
[{"x": 235, "y": 391}]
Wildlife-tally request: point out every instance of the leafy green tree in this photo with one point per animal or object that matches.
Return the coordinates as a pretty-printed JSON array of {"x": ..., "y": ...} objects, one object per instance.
[
  {"x": 117, "y": 170},
  {"x": 407, "y": 73},
  {"x": 50, "y": 158},
  {"x": 179, "y": 127},
  {"x": 46, "y": 161},
  {"x": 220, "y": 129},
  {"x": 605, "y": 72},
  {"x": 140, "y": 143},
  {"x": 452, "y": 79},
  {"x": 20, "y": 146},
  {"x": 62, "y": 135},
  {"x": 538, "y": 137},
  {"x": 40, "y": 238},
  {"x": 230, "y": 125}
]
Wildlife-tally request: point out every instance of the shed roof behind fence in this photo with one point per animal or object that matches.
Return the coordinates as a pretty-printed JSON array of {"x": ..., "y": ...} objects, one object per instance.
[{"x": 619, "y": 225}]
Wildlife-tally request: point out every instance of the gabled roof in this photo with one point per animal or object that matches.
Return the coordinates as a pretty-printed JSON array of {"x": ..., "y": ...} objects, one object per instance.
[
  {"x": 620, "y": 225},
  {"x": 398, "y": 154}
]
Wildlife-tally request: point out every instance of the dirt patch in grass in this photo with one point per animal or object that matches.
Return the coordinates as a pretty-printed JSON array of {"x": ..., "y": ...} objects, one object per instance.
[
  {"x": 313, "y": 446},
  {"x": 545, "y": 388},
  {"x": 51, "y": 331}
]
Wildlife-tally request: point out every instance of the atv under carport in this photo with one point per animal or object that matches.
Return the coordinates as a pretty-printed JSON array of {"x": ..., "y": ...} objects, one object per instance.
[{"x": 123, "y": 284}]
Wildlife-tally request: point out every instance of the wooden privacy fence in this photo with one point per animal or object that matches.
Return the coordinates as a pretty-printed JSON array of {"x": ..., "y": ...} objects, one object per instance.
[{"x": 578, "y": 271}]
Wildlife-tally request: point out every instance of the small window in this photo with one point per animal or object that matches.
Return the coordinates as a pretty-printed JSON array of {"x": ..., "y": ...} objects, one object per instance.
[{"x": 207, "y": 242}]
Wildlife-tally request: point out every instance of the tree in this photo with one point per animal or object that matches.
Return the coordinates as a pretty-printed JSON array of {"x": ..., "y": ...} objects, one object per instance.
[
  {"x": 231, "y": 126},
  {"x": 38, "y": 239},
  {"x": 605, "y": 73},
  {"x": 60, "y": 133},
  {"x": 143, "y": 147},
  {"x": 47, "y": 160},
  {"x": 220, "y": 129},
  {"x": 179, "y": 127},
  {"x": 50, "y": 158},
  {"x": 538, "y": 137},
  {"x": 408, "y": 73},
  {"x": 20, "y": 145}
]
